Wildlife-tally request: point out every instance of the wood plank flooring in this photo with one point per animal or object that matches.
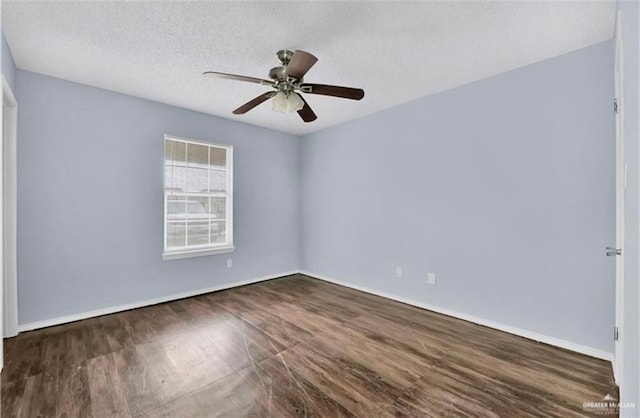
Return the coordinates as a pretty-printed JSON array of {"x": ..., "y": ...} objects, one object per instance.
[{"x": 291, "y": 347}]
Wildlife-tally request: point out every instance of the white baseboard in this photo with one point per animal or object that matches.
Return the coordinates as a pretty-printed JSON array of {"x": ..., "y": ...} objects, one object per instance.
[
  {"x": 113, "y": 309},
  {"x": 589, "y": 351}
]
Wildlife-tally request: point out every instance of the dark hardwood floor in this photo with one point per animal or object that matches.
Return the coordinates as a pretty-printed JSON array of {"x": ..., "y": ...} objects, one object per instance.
[{"x": 294, "y": 346}]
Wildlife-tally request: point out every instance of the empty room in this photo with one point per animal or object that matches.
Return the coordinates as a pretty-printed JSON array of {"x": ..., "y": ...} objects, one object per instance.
[{"x": 320, "y": 209}]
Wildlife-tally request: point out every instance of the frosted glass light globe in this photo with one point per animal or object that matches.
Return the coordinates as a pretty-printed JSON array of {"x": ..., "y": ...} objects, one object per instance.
[
  {"x": 294, "y": 102},
  {"x": 280, "y": 102}
]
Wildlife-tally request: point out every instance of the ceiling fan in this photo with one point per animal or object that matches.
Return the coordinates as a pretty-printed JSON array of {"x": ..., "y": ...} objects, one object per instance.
[{"x": 287, "y": 80}]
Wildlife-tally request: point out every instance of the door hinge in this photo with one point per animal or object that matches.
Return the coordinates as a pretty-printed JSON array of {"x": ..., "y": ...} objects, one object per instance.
[
  {"x": 616, "y": 334},
  {"x": 613, "y": 251},
  {"x": 616, "y": 109}
]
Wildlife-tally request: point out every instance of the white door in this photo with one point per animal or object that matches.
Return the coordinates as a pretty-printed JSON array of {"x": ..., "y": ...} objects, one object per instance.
[{"x": 621, "y": 175}]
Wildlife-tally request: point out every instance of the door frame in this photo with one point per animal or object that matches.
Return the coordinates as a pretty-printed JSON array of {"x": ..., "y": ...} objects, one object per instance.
[
  {"x": 8, "y": 211},
  {"x": 621, "y": 185}
]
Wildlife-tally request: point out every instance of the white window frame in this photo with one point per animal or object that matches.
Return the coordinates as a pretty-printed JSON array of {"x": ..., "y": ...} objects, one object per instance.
[{"x": 227, "y": 247}]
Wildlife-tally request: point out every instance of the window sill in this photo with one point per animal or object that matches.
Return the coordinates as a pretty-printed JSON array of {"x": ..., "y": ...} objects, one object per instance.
[{"x": 196, "y": 253}]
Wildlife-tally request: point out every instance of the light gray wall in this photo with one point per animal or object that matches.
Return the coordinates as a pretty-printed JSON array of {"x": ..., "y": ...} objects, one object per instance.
[
  {"x": 504, "y": 187},
  {"x": 90, "y": 199},
  {"x": 630, "y": 379},
  {"x": 8, "y": 65}
]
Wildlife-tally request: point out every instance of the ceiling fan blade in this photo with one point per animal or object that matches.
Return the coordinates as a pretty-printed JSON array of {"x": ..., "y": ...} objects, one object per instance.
[
  {"x": 335, "y": 91},
  {"x": 299, "y": 64},
  {"x": 306, "y": 113},
  {"x": 253, "y": 103},
  {"x": 214, "y": 74}
]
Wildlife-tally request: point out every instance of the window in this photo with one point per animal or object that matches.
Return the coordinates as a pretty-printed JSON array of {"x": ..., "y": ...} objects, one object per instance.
[{"x": 198, "y": 198}]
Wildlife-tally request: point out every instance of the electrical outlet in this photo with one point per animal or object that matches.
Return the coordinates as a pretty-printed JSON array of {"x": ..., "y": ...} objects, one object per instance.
[
  {"x": 229, "y": 263},
  {"x": 431, "y": 278},
  {"x": 399, "y": 272}
]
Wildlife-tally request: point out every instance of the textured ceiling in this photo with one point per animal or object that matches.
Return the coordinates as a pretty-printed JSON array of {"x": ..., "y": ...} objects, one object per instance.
[{"x": 395, "y": 51}]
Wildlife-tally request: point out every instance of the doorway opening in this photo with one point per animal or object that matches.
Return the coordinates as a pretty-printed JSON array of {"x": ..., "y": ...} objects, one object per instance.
[{"x": 8, "y": 215}]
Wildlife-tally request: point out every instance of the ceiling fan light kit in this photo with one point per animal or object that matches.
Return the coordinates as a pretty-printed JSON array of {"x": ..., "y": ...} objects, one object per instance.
[
  {"x": 287, "y": 102},
  {"x": 287, "y": 79}
]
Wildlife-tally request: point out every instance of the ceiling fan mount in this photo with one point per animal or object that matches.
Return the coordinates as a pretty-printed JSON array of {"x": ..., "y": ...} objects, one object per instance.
[
  {"x": 288, "y": 82},
  {"x": 284, "y": 56}
]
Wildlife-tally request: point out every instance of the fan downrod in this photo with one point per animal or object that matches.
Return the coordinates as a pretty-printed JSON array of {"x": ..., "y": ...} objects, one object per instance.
[{"x": 278, "y": 73}]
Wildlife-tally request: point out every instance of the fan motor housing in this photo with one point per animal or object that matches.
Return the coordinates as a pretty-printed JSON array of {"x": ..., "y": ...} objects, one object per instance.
[{"x": 277, "y": 73}]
